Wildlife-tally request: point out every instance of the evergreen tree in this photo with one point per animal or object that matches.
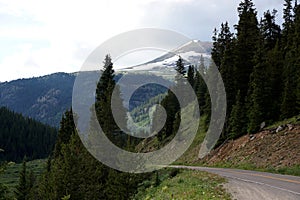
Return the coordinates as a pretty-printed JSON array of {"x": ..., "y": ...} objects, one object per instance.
[
  {"x": 226, "y": 68},
  {"x": 191, "y": 75},
  {"x": 200, "y": 86},
  {"x": 180, "y": 67},
  {"x": 270, "y": 31},
  {"x": 291, "y": 71},
  {"x": 237, "y": 121},
  {"x": 104, "y": 91},
  {"x": 258, "y": 90},
  {"x": 247, "y": 36},
  {"x": 216, "y": 51},
  {"x": 73, "y": 172},
  {"x": 171, "y": 104},
  {"x": 275, "y": 65},
  {"x": 22, "y": 188},
  {"x": 3, "y": 188},
  {"x": 65, "y": 132},
  {"x": 22, "y": 136},
  {"x": 266, "y": 76},
  {"x": 220, "y": 42},
  {"x": 287, "y": 16}
]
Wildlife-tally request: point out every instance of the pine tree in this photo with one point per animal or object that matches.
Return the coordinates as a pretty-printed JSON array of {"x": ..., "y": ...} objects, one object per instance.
[
  {"x": 266, "y": 77},
  {"x": 74, "y": 171},
  {"x": 170, "y": 102},
  {"x": 22, "y": 188},
  {"x": 247, "y": 36},
  {"x": 191, "y": 75},
  {"x": 287, "y": 15},
  {"x": 275, "y": 65},
  {"x": 171, "y": 105},
  {"x": 65, "y": 132},
  {"x": 3, "y": 188},
  {"x": 200, "y": 86},
  {"x": 220, "y": 42},
  {"x": 270, "y": 31},
  {"x": 180, "y": 67},
  {"x": 216, "y": 51},
  {"x": 237, "y": 121},
  {"x": 258, "y": 90},
  {"x": 291, "y": 70},
  {"x": 226, "y": 69},
  {"x": 104, "y": 91}
]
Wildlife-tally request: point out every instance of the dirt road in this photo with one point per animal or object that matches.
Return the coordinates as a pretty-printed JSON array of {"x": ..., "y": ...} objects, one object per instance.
[{"x": 252, "y": 185}]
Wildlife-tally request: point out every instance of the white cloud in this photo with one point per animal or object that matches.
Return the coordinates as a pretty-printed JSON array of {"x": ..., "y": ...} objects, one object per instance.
[{"x": 70, "y": 30}]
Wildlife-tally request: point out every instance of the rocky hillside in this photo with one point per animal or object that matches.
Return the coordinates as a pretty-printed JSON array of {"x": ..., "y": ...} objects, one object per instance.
[{"x": 274, "y": 148}]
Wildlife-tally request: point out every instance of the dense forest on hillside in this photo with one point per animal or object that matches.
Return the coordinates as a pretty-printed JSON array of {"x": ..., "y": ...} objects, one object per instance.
[
  {"x": 259, "y": 63},
  {"x": 260, "y": 68},
  {"x": 21, "y": 136}
]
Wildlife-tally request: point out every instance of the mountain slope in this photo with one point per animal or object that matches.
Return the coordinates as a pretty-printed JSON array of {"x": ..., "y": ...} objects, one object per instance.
[
  {"x": 46, "y": 98},
  {"x": 190, "y": 52},
  {"x": 20, "y": 136},
  {"x": 274, "y": 149},
  {"x": 43, "y": 98}
]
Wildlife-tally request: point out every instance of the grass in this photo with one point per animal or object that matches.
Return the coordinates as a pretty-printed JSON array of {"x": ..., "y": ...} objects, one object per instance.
[
  {"x": 191, "y": 154},
  {"x": 293, "y": 120},
  {"x": 10, "y": 176},
  {"x": 187, "y": 184}
]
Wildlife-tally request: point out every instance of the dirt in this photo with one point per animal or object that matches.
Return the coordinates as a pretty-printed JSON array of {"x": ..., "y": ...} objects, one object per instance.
[{"x": 267, "y": 148}]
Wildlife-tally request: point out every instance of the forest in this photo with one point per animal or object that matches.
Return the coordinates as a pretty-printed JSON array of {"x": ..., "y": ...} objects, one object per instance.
[{"x": 22, "y": 136}]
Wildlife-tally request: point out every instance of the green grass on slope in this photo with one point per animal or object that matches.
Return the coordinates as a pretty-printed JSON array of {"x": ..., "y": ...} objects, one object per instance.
[
  {"x": 191, "y": 155},
  {"x": 10, "y": 177},
  {"x": 292, "y": 120},
  {"x": 187, "y": 184}
]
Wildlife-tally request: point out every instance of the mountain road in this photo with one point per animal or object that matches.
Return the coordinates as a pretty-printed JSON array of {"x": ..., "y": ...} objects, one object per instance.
[{"x": 253, "y": 185}]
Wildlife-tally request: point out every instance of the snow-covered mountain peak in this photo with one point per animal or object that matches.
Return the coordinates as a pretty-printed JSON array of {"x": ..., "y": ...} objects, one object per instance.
[{"x": 191, "y": 52}]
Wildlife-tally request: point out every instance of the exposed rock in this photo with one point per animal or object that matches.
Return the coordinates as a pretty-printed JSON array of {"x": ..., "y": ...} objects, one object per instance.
[
  {"x": 290, "y": 127},
  {"x": 279, "y": 128},
  {"x": 252, "y": 137},
  {"x": 262, "y": 125}
]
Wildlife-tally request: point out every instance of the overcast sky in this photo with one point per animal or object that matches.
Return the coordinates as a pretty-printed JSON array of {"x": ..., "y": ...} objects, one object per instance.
[{"x": 42, "y": 37}]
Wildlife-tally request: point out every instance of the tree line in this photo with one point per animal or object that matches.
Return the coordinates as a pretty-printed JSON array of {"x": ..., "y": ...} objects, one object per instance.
[
  {"x": 72, "y": 172},
  {"x": 22, "y": 136},
  {"x": 259, "y": 65}
]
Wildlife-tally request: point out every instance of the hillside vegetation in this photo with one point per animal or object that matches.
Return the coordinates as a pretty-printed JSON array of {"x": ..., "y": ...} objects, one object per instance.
[
  {"x": 10, "y": 177},
  {"x": 43, "y": 98},
  {"x": 21, "y": 136}
]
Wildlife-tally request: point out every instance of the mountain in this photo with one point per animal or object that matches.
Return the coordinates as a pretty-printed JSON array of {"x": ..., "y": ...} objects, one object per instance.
[
  {"x": 21, "y": 136},
  {"x": 43, "y": 98},
  {"x": 191, "y": 52},
  {"x": 47, "y": 97}
]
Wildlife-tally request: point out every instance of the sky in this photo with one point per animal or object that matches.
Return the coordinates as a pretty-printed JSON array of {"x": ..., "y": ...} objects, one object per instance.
[{"x": 43, "y": 37}]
